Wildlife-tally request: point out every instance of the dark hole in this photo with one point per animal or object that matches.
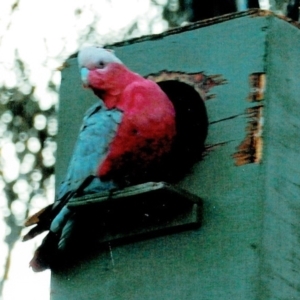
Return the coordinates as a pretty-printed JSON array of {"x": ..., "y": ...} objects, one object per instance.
[{"x": 192, "y": 127}]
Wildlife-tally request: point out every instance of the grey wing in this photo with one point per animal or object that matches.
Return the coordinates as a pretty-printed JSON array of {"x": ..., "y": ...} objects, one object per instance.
[{"x": 98, "y": 129}]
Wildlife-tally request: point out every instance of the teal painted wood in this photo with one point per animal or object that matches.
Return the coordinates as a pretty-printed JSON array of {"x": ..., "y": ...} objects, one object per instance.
[
  {"x": 240, "y": 251},
  {"x": 281, "y": 234}
]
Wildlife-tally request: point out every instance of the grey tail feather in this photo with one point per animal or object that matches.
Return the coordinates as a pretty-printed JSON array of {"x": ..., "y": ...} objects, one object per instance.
[{"x": 46, "y": 254}]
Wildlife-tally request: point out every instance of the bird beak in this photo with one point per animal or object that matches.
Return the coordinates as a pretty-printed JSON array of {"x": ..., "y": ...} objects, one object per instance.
[{"x": 84, "y": 73}]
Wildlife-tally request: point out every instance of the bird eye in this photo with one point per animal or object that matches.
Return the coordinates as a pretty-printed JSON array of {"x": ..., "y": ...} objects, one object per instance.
[{"x": 101, "y": 64}]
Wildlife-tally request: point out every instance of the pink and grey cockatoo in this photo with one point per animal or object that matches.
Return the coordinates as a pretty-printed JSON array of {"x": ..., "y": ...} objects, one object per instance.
[
  {"x": 123, "y": 136},
  {"x": 147, "y": 127}
]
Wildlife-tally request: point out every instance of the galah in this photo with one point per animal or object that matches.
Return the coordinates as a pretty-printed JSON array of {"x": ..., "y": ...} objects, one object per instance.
[
  {"x": 147, "y": 129},
  {"x": 129, "y": 132}
]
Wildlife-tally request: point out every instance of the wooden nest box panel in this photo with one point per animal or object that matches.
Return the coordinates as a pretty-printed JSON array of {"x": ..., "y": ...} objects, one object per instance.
[{"x": 246, "y": 68}]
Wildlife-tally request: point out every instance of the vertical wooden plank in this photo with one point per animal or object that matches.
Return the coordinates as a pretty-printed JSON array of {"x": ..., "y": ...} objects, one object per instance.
[{"x": 281, "y": 242}]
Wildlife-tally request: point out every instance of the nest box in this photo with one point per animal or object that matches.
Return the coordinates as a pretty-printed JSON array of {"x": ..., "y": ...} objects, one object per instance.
[{"x": 246, "y": 68}]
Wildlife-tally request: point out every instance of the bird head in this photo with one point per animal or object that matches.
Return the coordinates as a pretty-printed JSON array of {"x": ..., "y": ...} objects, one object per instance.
[{"x": 98, "y": 67}]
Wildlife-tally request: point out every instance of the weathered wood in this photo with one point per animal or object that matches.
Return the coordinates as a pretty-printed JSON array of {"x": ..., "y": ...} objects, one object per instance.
[
  {"x": 280, "y": 267},
  {"x": 248, "y": 246}
]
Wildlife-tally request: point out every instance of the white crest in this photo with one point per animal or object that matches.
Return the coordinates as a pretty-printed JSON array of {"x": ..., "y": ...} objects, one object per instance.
[{"x": 91, "y": 57}]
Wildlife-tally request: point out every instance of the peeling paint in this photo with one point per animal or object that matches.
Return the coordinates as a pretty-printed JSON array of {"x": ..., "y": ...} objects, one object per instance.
[
  {"x": 63, "y": 66},
  {"x": 199, "y": 81},
  {"x": 251, "y": 148},
  {"x": 262, "y": 13},
  {"x": 257, "y": 83}
]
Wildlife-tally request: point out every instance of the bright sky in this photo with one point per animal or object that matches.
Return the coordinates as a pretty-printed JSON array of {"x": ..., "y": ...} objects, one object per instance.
[{"x": 43, "y": 34}]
